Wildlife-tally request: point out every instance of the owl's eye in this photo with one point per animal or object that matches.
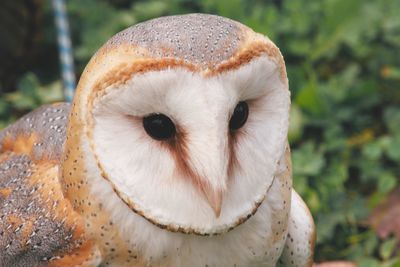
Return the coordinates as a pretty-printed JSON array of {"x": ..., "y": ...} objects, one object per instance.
[
  {"x": 159, "y": 126},
  {"x": 239, "y": 116}
]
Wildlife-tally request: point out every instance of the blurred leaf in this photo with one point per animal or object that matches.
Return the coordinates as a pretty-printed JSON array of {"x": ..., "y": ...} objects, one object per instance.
[
  {"x": 372, "y": 150},
  {"x": 307, "y": 161},
  {"x": 51, "y": 93},
  {"x": 390, "y": 72},
  {"x": 393, "y": 149},
  {"x": 387, "y": 248},
  {"x": 296, "y": 124},
  {"x": 385, "y": 219},
  {"x": 360, "y": 139},
  {"x": 368, "y": 262},
  {"x": 392, "y": 119},
  {"x": 309, "y": 99},
  {"x": 151, "y": 9},
  {"x": 387, "y": 181}
]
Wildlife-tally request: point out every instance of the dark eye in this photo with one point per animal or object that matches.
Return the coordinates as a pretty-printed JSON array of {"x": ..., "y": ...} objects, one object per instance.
[
  {"x": 239, "y": 116},
  {"x": 159, "y": 126}
]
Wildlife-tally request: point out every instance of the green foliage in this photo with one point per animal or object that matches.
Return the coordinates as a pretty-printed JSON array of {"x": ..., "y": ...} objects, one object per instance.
[
  {"x": 343, "y": 63},
  {"x": 29, "y": 95}
]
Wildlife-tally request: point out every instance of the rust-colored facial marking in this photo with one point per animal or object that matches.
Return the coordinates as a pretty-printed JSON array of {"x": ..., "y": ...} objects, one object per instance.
[
  {"x": 178, "y": 149},
  {"x": 177, "y": 146},
  {"x": 233, "y": 161},
  {"x": 234, "y": 136}
]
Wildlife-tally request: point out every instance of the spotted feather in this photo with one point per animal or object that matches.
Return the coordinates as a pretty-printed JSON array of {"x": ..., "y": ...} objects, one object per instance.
[{"x": 38, "y": 226}]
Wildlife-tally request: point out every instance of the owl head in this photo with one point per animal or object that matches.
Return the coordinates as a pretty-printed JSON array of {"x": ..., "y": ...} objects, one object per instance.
[{"x": 186, "y": 118}]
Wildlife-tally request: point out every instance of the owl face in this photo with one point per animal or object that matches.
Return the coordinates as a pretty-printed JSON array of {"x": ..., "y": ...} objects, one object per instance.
[{"x": 190, "y": 147}]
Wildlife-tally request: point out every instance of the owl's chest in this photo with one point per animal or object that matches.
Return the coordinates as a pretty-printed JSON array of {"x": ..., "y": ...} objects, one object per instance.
[
  {"x": 253, "y": 243},
  {"x": 124, "y": 238}
]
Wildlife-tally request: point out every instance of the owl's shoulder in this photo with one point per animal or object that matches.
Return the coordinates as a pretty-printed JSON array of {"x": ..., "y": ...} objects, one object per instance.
[
  {"x": 40, "y": 133},
  {"x": 38, "y": 226}
]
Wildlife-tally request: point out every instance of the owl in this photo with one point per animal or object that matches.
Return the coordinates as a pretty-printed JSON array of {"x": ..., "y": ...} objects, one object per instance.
[{"x": 174, "y": 153}]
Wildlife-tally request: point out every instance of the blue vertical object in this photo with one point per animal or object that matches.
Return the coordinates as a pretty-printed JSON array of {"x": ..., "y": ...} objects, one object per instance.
[{"x": 65, "y": 50}]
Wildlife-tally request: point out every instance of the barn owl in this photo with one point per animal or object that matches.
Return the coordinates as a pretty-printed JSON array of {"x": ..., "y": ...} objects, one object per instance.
[{"x": 173, "y": 153}]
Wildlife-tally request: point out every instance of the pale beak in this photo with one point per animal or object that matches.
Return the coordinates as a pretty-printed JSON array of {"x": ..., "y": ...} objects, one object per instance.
[
  {"x": 214, "y": 199},
  {"x": 208, "y": 162}
]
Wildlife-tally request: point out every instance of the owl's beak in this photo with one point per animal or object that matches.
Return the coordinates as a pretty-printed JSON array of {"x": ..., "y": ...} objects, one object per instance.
[
  {"x": 207, "y": 161},
  {"x": 214, "y": 198},
  {"x": 210, "y": 184}
]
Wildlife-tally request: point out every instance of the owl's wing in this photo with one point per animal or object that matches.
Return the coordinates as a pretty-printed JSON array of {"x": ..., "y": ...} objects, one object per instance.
[
  {"x": 38, "y": 226},
  {"x": 299, "y": 246}
]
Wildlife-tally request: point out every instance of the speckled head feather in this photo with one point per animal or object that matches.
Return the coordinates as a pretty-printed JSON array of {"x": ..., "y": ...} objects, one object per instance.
[
  {"x": 199, "y": 39},
  {"x": 200, "y": 42}
]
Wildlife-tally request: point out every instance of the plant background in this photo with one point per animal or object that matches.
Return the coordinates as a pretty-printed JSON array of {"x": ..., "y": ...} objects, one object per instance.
[{"x": 343, "y": 62}]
